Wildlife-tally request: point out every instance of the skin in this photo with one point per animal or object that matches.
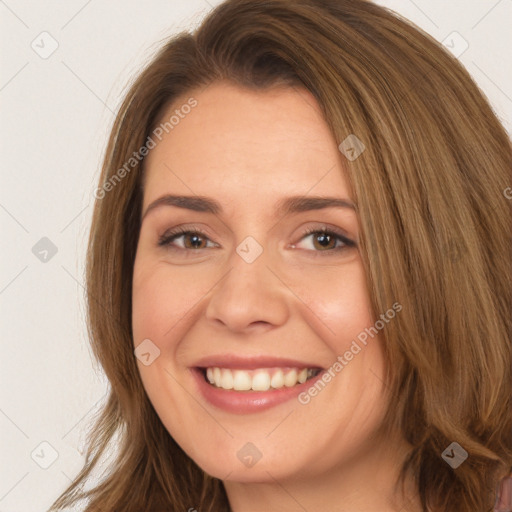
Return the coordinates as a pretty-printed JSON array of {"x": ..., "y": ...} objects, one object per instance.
[{"x": 248, "y": 150}]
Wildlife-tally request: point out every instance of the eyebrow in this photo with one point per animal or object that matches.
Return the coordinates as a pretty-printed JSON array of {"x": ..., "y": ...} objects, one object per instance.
[{"x": 286, "y": 206}]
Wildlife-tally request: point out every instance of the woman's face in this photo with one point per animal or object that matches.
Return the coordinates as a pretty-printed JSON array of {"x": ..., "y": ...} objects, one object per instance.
[{"x": 256, "y": 290}]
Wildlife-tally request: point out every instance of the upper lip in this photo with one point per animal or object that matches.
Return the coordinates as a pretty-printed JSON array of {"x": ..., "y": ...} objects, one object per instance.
[{"x": 251, "y": 362}]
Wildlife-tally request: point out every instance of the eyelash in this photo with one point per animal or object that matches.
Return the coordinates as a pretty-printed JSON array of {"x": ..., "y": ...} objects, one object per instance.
[
  {"x": 169, "y": 237},
  {"x": 324, "y": 230}
]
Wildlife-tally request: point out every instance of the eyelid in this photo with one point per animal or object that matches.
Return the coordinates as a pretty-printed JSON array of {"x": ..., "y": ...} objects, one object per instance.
[
  {"x": 326, "y": 228},
  {"x": 338, "y": 233},
  {"x": 180, "y": 231}
]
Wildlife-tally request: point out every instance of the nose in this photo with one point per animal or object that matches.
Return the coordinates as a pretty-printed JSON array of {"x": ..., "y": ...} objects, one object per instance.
[{"x": 250, "y": 296}]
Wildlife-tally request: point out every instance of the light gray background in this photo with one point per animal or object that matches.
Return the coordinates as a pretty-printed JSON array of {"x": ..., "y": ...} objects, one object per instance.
[{"x": 56, "y": 113}]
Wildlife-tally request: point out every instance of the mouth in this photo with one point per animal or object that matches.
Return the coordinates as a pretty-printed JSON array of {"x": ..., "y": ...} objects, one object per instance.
[
  {"x": 246, "y": 385},
  {"x": 258, "y": 379}
]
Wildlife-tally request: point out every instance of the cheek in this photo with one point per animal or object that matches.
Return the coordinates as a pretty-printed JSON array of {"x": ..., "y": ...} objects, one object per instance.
[
  {"x": 155, "y": 308},
  {"x": 348, "y": 307},
  {"x": 338, "y": 301},
  {"x": 162, "y": 298}
]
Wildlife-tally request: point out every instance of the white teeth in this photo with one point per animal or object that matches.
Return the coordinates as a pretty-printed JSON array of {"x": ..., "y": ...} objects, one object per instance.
[
  {"x": 227, "y": 379},
  {"x": 261, "y": 379},
  {"x": 242, "y": 381},
  {"x": 303, "y": 375},
  {"x": 290, "y": 378},
  {"x": 277, "y": 380}
]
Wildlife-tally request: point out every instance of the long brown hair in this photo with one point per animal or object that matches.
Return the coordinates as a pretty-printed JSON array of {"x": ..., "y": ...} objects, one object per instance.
[{"x": 436, "y": 237}]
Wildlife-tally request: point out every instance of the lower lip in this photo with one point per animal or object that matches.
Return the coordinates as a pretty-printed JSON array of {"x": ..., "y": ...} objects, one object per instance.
[{"x": 245, "y": 402}]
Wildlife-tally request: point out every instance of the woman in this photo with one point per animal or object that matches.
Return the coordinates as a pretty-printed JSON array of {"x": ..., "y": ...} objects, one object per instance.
[{"x": 299, "y": 272}]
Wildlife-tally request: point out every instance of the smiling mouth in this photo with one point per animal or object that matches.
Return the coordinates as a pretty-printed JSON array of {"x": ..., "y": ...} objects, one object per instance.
[{"x": 260, "y": 379}]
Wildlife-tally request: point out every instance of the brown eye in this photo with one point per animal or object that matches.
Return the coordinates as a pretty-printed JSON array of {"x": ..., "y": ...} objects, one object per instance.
[
  {"x": 194, "y": 241},
  {"x": 185, "y": 239},
  {"x": 325, "y": 240}
]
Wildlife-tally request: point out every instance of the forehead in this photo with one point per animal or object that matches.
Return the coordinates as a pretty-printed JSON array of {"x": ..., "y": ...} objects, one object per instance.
[{"x": 238, "y": 143}]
